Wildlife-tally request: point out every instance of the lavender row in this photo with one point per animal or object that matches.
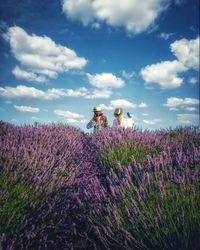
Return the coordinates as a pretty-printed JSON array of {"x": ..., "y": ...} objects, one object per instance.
[{"x": 57, "y": 194}]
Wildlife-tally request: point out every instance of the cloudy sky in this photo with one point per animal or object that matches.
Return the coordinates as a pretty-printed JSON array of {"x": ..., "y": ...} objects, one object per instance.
[{"x": 61, "y": 58}]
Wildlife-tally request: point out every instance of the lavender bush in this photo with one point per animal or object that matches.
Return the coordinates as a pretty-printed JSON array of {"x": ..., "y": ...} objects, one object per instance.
[{"x": 114, "y": 189}]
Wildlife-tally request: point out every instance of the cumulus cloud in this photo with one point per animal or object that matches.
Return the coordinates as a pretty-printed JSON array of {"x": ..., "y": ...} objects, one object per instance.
[
  {"x": 188, "y": 118},
  {"x": 22, "y": 91},
  {"x": 174, "y": 103},
  {"x": 152, "y": 122},
  {"x": 27, "y": 109},
  {"x": 187, "y": 52},
  {"x": 39, "y": 56},
  {"x": 105, "y": 81},
  {"x": 134, "y": 15},
  {"x": 28, "y": 76},
  {"x": 165, "y": 73},
  {"x": 80, "y": 92},
  {"x": 123, "y": 103},
  {"x": 118, "y": 103},
  {"x": 70, "y": 116},
  {"x": 79, "y": 10},
  {"x": 99, "y": 93}
]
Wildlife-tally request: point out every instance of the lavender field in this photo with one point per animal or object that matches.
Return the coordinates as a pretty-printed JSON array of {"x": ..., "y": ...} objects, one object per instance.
[{"x": 115, "y": 189}]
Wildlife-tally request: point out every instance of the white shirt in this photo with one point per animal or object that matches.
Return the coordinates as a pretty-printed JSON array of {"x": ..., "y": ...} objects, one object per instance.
[{"x": 125, "y": 123}]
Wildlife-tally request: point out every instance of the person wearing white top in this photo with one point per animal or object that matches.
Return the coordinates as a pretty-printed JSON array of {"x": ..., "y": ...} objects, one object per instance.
[{"x": 121, "y": 121}]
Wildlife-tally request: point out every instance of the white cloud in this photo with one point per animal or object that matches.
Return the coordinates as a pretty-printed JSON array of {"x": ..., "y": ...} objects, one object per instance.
[
  {"x": 188, "y": 118},
  {"x": 173, "y": 109},
  {"x": 190, "y": 108},
  {"x": 106, "y": 107},
  {"x": 152, "y": 122},
  {"x": 99, "y": 93},
  {"x": 56, "y": 93},
  {"x": 122, "y": 103},
  {"x": 134, "y": 15},
  {"x": 187, "y": 52},
  {"x": 142, "y": 105},
  {"x": 128, "y": 75},
  {"x": 174, "y": 103},
  {"x": 145, "y": 114},
  {"x": 28, "y": 76},
  {"x": 165, "y": 36},
  {"x": 105, "y": 81},
  {"x": 40, "y": 56},
  {"x": 165, "y": 73},
  {"x": 70, "y": 116},
  {"x": 79, "y": 10},
  {"x": 27, "y": 109},
  {"x": 193, "y": 80},
  {"x": 22, "y": 91}
]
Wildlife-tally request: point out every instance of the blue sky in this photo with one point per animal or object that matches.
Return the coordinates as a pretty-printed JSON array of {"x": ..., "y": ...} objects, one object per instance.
[{"x": 59, "y": 59}]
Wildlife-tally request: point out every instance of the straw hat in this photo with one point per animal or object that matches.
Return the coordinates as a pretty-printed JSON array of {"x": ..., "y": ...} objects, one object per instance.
[{"x": 118, "y": 111}]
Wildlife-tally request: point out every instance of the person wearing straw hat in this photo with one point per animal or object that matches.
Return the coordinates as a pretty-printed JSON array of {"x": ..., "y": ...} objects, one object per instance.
[
  {"x": 98, "y": 121},
  {"x": 121, "y": 121}
]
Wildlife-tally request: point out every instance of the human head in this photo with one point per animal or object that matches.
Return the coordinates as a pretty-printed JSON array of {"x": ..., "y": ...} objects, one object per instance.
[
  {"x": 97, "y": 110},
  {"x": 118, "y": 112}
]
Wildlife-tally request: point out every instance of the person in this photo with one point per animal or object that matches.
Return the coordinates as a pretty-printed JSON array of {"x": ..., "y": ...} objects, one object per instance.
[
  {"x": 98, "y": 121},
  {"x": 121, "y": 121}
]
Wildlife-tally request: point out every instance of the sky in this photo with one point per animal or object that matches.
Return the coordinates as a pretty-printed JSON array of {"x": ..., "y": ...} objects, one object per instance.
[{"x": 59, "y": 59}]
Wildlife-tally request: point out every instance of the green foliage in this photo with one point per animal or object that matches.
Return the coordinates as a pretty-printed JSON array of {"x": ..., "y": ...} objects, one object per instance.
[
  {"x": 15, "y": 200},
  {"x": 168, "y": 222},
  {"x": 125, "y": 154}
]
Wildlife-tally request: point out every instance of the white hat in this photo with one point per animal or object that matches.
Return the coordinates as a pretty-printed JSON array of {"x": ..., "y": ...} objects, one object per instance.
[{"x": 97, "y": 109}]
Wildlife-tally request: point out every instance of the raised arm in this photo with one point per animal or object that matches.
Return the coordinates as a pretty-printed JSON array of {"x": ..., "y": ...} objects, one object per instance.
[{"x": 90, "y": 124}]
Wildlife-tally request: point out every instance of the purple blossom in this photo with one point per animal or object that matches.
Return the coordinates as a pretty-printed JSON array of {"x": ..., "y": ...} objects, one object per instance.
[{"x": 62, "y": 167}]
